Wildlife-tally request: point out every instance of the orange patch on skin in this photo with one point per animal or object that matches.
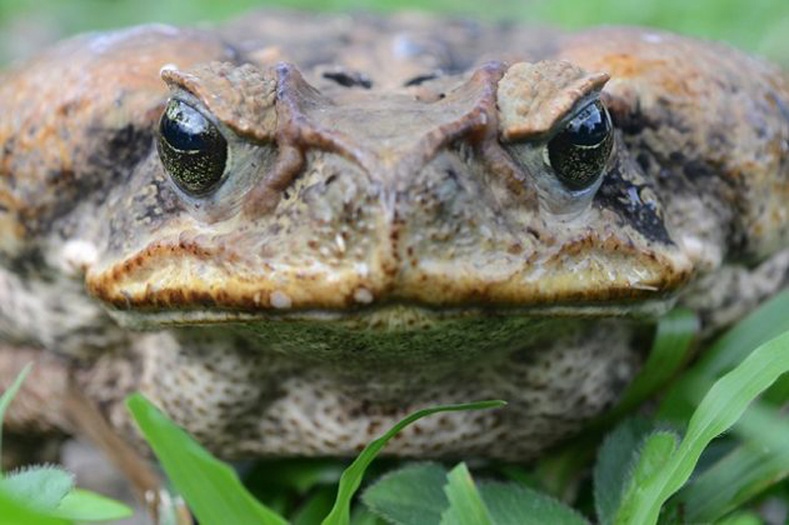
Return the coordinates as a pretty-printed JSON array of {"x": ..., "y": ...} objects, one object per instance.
[
  {"x": 624, "y": 65},
  {"x": 660, "y": 72}
]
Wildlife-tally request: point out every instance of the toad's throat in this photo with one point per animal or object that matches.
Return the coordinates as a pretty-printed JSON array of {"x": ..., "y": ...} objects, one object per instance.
[{"x": 381, "y": 340}]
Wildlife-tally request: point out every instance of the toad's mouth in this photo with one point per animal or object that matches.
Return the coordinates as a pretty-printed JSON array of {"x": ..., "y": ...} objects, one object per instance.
[
  {"x": 159, "y": 291},
  {"x": 386, "y": 318}
]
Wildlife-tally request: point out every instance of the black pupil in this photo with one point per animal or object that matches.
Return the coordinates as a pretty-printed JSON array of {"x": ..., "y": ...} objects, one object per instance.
[
  {"x": 192, "y": 149},
  {"x": 185, "y": 128},
  {"x": 578, "y": 154},
  {"x": 589, "y": 127}
]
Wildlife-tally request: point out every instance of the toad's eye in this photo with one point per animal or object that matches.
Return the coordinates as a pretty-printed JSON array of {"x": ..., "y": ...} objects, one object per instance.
[
  {"x": 580, "y": 151},
  {"x": 192, "y": 149}
]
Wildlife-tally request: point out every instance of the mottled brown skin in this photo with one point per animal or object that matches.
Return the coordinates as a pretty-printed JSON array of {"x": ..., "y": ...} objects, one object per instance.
[{"x": 387, "y": 233}]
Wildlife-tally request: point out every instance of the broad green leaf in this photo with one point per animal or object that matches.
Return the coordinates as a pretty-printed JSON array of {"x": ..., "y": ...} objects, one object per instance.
[
  {"x": 352, "y": 477},
  {"x": 511, "y": 504},
  {"x": 8, "y": 395},
  {"x": 211, "y": 488},
  {"x": 84, "y": 505},
  {"x": 14, "y": 512},
  {"x": 43, "y": 487},
  {"x": 412, "y": 495},
  {"x": 49, "y": 493},
  {"x": 720, "y": 409},
  {"x": 465, "y": 503},
  {"x": 613, "y": 470}
]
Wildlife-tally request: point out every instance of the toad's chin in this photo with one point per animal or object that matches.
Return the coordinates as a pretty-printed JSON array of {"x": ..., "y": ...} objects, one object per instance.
[{"x": 386, "y": 338}]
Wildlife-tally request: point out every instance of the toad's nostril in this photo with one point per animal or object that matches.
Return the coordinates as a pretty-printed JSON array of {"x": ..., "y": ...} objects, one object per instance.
[
  {"x": 419, "y": 79},
  {"x": 349, "y": 78}
]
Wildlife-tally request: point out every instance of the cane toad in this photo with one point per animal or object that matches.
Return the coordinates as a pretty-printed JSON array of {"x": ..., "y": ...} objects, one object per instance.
[{"x": 291, "y": 231}]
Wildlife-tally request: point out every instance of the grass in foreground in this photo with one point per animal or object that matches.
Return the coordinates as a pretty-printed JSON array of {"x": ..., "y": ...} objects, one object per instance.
[{"x": 641, "y": 475}]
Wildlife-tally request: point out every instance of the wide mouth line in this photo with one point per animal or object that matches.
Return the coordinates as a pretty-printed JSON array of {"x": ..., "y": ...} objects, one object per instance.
[{"x": 165, "y": 317}]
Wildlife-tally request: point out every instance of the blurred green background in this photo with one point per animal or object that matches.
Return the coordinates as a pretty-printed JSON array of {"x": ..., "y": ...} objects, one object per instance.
[{"x": 761, "y": 26}]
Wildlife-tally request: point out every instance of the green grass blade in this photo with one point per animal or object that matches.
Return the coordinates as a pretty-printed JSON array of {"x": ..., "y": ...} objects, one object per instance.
[
  {"x": 742, "y": 518},
  {"x": 465, "y": 502},
  {"x": 352, "y": 477},
  {"x": 720, "y": 409},
  {"x": 211, "y": 488},
  {"x": 723, "y": 487},
  {"x": 7, "y": 396},
  {"x": 764, "y": 324},
  {"x": 314, "y": 508},
  {"x": 84, "y": 505},
  {"x": 748, "y": 470},
  {"x": 767, "y": 322},
  {"x": 671, "y": 350}
]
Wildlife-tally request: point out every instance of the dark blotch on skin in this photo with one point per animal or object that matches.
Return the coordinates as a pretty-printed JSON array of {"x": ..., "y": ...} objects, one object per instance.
[{"x": 616, "y": 194}]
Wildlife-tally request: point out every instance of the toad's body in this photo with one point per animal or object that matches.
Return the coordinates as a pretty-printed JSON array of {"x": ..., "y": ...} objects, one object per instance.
[{"x": 292, "y": 232}]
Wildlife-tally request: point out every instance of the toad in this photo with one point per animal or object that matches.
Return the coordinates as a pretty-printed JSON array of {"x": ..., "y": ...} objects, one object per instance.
[{"x": 291, "y": 231}]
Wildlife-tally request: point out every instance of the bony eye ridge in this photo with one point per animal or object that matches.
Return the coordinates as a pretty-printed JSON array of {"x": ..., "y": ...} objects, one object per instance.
[
  {"x": 578, "y": 154},
  {"x": 191, "y": 147}
]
